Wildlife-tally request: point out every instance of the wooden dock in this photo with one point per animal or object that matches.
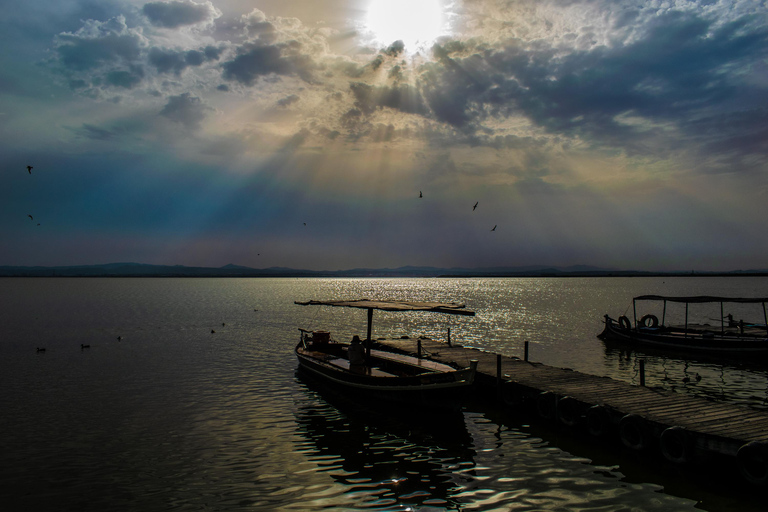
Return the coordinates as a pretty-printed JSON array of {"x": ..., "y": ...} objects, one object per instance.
[{"x": 686, "y": 429}]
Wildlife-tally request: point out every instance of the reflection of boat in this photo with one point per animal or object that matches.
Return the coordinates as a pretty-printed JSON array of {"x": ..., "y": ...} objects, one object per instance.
[
  {"x": 409, "y": 461},
  {"x": 734, "y": 338},
  {"x": 382, "y": 375}
]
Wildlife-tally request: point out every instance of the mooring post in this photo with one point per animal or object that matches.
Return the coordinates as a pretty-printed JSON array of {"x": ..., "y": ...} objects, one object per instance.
[
  {"x": 418, "y": 349},
  {"x": 642, "y": 372},
  {"x": 526, "y": 352},
  {"x": 449, "y": 336}
]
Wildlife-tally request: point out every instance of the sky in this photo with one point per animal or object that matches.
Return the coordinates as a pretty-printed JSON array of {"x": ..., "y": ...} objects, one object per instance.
[{"x": 340, "y": 134}]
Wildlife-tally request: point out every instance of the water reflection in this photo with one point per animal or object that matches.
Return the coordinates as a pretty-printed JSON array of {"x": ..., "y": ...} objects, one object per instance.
[
  {"x": 739, "y": 382},
  {"x": 386, "y": 459}
]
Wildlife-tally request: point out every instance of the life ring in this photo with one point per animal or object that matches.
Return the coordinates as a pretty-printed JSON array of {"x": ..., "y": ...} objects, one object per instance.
[
  {"x": 598, "y": 421},
  {"x": 632, "y": 432},
  {"x": 568, "y": 411},
  {"x": 649, "y": 319},
  {"x": 753, "y": 462},
  {"x": 675, "y": 445},
  {"x": 546, "y": 405},
  {"x": 624, "y": 322}
]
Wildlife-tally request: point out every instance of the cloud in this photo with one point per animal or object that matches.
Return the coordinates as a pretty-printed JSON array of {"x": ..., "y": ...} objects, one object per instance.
[
  {"x": 167, "y": 61},
  {"x": 177, "y": 14},
  {"x": 256, "y": 60},
  {"x": 99, "y": 43},
  {"x": 185, "y": 109}
]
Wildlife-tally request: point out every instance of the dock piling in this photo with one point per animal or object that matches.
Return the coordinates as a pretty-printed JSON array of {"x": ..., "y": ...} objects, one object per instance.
[
  {"x": 642, "y": 372},
  {"x": 525, "y": 358}
]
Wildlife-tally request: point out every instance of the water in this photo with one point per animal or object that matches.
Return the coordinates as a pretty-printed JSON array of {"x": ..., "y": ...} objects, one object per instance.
[{"x": 174, "y": 416}]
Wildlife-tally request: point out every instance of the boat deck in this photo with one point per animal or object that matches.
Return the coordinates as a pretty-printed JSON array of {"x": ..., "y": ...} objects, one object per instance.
[{"x": 716, "y": 426}]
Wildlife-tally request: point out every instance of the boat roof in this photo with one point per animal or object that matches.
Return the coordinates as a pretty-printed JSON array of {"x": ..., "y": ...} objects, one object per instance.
[
  {"x": 452, "y": 308},
  {"x": 695, "y": 299}
]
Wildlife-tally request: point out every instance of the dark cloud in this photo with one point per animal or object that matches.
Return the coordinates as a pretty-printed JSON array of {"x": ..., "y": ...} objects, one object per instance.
[
  {"x": 126, "y": 79},
  {"x": 682, "y": 67},
  {"x": 176, "y": 14},
  {"x": 403, "y": 97},
  {"x": 97, "y": 44},
  {"x": 255, "y": 60},
  {"x": 185, "y": 109},
  {"x": 167, "y": 61},
  {"x": 288, "y": 100}
]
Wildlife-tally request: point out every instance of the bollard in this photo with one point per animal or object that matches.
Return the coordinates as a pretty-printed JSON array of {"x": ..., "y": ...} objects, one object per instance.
[
  {"x": 526, "y": 352},
  {"x": 642, "y": 372}
]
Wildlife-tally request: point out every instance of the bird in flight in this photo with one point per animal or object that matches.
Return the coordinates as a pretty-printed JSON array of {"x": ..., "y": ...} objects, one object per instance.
[
  {"x": 494, "y": 228},
  {"x": 30, "y": 217},
  {"x": 29, "y": 169},
  {"x": 473, "y": 208}
]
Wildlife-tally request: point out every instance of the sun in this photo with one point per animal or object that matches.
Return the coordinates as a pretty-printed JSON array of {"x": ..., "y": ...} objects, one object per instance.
[{"x": 417, "y": 23}]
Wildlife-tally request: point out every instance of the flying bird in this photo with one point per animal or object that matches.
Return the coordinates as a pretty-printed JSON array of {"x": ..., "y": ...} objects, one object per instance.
[
  {"x": 473, "y": 208},
  {"x": 30, "y": 217},
  {"x": 494, "y": 228},
  {"x": 29, "y": 169}
]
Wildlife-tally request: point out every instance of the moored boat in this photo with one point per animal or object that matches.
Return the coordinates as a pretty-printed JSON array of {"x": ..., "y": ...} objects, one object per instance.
[
  {"x": 726, "y": 336},
  {"x": 373, "y": 374}
]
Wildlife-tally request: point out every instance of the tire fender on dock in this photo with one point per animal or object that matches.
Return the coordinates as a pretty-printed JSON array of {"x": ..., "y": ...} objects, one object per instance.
[
  {"x": 632, "y": 432},
  {"x": 546, "y": 405},
  {"x": 676, "y": 445},
  {"x": 568, "y": 411},
  {"x": 598, "y": 420},
  {"x": 753, "y": 462}
]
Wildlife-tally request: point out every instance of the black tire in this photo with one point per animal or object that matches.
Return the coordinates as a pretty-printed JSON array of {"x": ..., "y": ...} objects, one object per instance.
[
  {"x": 675, "y": 445},
  {"x": 632, "y": 432}
]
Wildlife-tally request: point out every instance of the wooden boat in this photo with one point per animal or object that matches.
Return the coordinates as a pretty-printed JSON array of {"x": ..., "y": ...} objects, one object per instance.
[
  {"x": 382, "y": 375},
  {"x": 726, "y": 337}
]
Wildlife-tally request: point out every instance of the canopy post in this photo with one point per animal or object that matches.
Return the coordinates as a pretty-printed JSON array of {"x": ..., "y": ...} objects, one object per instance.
[
  {"x": 765, "y": 317},
  {"x": 368, "y": 337},
  {"x": 634, "y": 311},
  {"x": 722, "y": 320}
]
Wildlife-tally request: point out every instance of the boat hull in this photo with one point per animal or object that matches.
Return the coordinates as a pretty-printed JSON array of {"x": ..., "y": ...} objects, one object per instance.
[
  {"x": 433, "y": 390},
  {"x": 700, "y": 342}
]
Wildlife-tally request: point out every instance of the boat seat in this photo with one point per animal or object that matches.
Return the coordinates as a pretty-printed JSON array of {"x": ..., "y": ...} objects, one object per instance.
[{"x": 372, "y": 371}]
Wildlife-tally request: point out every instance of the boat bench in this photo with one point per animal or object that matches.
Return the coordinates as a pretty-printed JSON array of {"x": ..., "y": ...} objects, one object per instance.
[{"x": 372, "y": 371}]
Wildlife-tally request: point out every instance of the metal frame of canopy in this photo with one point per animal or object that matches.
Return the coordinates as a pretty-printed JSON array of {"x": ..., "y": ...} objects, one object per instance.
[
  {"x": 450, "y": 308},
  {"x": 700, "y": 299}
]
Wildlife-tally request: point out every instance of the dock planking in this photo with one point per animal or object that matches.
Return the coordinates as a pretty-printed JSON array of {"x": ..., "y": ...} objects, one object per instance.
[{"x": 684, "y": 426}]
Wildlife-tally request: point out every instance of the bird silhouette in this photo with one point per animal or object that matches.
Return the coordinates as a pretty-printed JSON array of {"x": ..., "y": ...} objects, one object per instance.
[
  {"x": 473, "y": 208},
  {"x": 41, "y": 349},
  {"x": 29, "y": 169},
  {"x": 31, "y": 217},
  {"x": 494, "y": 228}
]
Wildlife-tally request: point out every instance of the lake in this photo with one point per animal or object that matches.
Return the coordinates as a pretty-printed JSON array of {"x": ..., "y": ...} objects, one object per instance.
[{"x": 187, "y": 398}]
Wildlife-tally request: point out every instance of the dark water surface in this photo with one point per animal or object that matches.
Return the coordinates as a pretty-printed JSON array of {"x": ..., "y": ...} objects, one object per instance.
[{"x": 175, "y": 417}]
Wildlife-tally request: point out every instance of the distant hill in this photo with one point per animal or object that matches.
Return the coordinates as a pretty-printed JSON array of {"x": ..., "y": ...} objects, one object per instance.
[{"x": 231, "y": 270}]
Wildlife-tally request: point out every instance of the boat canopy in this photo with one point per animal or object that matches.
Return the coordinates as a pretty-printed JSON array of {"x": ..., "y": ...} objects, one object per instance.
[
  {"x": 394, "y": 305},
  {"x": 699, "y": 299}
]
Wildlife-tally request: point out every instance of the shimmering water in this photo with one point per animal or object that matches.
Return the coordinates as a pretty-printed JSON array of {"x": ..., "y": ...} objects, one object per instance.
[{"x": 174, "y": 416}]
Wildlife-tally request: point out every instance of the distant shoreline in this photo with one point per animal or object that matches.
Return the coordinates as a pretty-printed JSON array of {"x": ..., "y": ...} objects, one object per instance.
[{"x": 143, "y": 270}]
